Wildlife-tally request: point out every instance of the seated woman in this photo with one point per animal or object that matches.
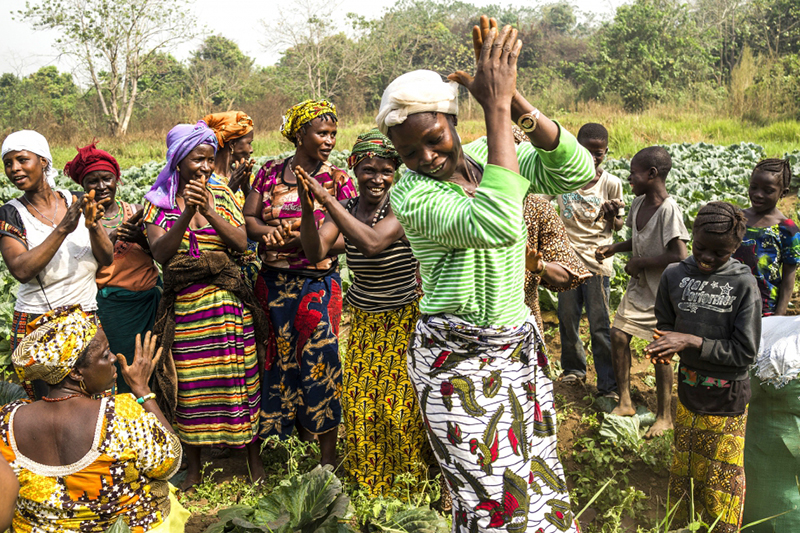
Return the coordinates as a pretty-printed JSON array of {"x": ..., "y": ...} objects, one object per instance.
[
  {"x": 302, "y": 383},
  {"x": 84, "y": 463},
  {"x": 384, "y": 430},
  {"x": 128, "y": 295},
  {"x": 233, "y": 167},
  {"x": 209, "y": 322},
  {"x": 45, "y": 240},
  {"x": 476, "y": 355}
]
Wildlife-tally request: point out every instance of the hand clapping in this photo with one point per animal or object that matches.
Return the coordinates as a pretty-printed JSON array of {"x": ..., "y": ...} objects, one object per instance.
[
  {"x": 285, "y": 232},
  {"x": 197, "y": 197}
]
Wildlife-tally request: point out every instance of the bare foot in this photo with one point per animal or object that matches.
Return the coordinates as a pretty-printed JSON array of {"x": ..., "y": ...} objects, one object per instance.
[
  {"x": 257, "y": 472},
  {"x": 624, "y": 410},
  {"x": 658, "y": 429},
  {"x": 189, "y": 483}
]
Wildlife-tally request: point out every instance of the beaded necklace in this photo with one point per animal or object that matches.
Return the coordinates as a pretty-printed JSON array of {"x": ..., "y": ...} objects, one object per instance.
[
  {"x": 62, "y": 398},
  {"x": 119, "y": 214}
]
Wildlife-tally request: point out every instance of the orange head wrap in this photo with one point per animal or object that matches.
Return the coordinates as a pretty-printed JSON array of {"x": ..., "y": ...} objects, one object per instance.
[{"x": 229, "y": 125}]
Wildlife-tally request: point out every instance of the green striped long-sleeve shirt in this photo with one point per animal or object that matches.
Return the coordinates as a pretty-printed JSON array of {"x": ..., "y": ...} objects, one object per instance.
[{"x": 472, "y": 250}]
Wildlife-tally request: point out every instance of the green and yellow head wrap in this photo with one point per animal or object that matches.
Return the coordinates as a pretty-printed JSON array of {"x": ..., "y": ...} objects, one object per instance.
[
  {"x": 303, "y": 113},
  {"x": 373, "y": 143},
  {"x": 54, "y": 343}
]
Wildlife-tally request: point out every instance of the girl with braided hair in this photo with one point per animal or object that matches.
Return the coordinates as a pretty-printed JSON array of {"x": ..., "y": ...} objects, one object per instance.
[
  {"x": 708, "y": 312},
  {"x": 771, "y": 244}
]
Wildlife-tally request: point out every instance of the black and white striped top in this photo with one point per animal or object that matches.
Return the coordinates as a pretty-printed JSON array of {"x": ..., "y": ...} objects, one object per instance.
[{"x": 382, "y": 283}]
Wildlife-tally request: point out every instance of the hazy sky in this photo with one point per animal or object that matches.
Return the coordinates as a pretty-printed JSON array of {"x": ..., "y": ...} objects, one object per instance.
[{"x": 23, "y": 50}]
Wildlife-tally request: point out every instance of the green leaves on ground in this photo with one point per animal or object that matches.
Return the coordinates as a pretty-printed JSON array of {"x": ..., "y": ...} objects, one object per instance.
[{"x": 305, "y": 504}]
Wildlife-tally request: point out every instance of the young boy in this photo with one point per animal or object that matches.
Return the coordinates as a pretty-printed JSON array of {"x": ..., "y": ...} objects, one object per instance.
[
  {"x": 591, "y": 216},
  {"x": 709, "y": 313},
  {"x": 658, "y": 239}
]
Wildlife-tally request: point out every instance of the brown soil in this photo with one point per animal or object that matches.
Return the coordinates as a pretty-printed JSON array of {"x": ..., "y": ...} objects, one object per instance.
[{"x": 578, "y": 398}]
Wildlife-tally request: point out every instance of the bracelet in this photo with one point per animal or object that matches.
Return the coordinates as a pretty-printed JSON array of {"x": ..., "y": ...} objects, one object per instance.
[
  {"x": 146, "y": 397},
  {"x": 544, "y": 268}
]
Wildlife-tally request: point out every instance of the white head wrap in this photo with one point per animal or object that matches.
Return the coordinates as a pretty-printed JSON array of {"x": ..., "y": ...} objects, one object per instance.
[
  {"x": 418, "y": 91},
  {"x": 32, "y": 141}
]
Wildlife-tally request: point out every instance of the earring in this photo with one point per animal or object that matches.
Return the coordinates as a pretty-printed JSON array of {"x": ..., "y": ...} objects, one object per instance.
[
  {"x": 299, "y": 141},
  {"x": 83, "y": 387}
]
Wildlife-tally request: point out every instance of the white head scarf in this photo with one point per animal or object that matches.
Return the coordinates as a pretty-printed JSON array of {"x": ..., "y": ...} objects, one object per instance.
[
  {"x": 418, "y": 91},
  {"x": 32, "y": 141}
]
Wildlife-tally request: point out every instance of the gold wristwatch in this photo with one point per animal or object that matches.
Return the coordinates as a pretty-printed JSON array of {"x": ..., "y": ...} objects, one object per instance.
[{"x": 529, "y": 121}]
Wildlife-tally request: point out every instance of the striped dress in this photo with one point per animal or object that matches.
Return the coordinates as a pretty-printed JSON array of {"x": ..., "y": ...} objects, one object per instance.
[
  {"x": 214, "y": 350},
  {"x": 476, "y": 357}
]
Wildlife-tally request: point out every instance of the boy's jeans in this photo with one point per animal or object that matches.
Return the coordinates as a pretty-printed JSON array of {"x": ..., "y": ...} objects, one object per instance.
[{"x": 594, "y": 294}]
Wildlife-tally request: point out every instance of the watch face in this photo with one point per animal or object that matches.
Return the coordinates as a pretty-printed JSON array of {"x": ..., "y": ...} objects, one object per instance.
[{"x": 527, "y": 123}]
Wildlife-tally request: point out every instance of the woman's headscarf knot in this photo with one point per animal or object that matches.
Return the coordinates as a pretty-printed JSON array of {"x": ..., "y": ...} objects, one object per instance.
[
  {"x": 372, "y": 144},
  {"x": 31, "y": 141},
  {"x": 181, "y": 140},
  {"x": 229, "y": 125},
  {"x": 303, "y": 113},
  {"x": 89, "y": 159},
  {"x": 418, "y": 91},
  {"x": 54, "y": 343}
]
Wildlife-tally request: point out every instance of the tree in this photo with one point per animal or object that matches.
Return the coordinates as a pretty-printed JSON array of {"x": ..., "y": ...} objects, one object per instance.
[
  {"x": 115, "y": 41},
  {"x": 318, "y": 61},
  {"x": 651, "y": 50},
  {"x": 219, "y": 71}
]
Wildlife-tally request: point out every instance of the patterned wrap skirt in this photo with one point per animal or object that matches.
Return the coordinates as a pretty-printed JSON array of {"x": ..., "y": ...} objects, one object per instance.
[
  {"x": 385, "y": 433},
  {"x": 302, "y": 380},
  {"x": 488, "y": 408},
  {"x": 709, "y": 450}
]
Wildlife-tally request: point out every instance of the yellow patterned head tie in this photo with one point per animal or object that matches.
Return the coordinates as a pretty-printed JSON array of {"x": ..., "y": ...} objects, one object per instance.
[
  {"x": 303, "y": 113},
  {"x": 54, "y": 342}
]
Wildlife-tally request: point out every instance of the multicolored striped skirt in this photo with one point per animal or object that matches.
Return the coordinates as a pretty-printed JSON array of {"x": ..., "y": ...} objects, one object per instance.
[
  {"x": 709, "y": 456},
  {"x": 488, "y": 407},
  {"x": 302, "y": 382},
  {"x": 219, "y": 391},
  {"x": 385, "y": 432}
]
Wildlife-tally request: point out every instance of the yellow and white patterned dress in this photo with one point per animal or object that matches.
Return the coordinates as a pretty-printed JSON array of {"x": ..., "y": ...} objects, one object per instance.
[{"x": 124, "y": 474}]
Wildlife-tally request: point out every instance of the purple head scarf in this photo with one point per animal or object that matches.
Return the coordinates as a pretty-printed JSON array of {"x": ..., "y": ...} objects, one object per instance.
[{"x": 181, "y": 140}]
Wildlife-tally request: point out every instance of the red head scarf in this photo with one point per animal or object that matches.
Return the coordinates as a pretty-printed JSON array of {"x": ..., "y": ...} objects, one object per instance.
[{"x": 89, "y": 159}]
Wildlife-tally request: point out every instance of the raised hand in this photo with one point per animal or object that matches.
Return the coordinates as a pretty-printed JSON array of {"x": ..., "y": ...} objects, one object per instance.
[
  {"x": 242, "y": 170},
  {"x": 145, "y": 358},
  {"x": 495, "y": 77},
  {"x": 480, "y": 33},
  {"x": 314, "y": 188},
  {"x": 92, "y": 210},
  {"x": 72, "y": 216}
]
